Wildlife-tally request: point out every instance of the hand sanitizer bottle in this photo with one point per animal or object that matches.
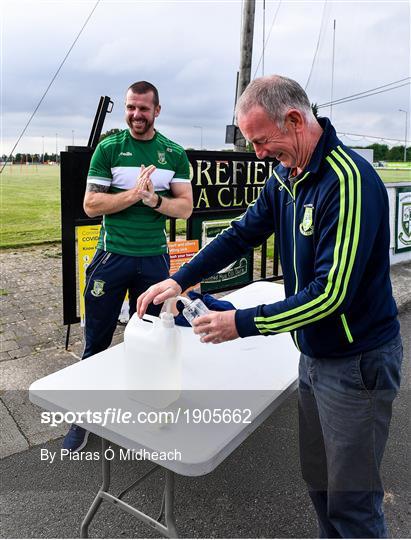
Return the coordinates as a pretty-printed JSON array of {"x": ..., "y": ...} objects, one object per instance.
[{"x": 193, "y": 308}]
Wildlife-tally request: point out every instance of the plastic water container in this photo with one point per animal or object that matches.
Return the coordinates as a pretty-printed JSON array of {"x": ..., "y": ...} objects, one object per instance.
[{"x": 153, "y": 363}]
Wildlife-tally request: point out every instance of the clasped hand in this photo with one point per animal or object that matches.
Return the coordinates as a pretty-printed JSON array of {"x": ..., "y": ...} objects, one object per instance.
[{"x": 144, "y": 188}]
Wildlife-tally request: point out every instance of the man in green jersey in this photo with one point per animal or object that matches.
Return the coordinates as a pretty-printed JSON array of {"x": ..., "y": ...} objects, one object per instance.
[{"x": 137, "y": 178}]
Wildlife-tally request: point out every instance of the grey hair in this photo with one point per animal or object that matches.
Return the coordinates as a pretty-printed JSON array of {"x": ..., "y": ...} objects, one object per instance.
[{"x": 276, "y": 95}]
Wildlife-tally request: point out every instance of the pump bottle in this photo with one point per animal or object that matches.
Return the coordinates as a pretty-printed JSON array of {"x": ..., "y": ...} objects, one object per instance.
[{"x": 153, "y": 363}]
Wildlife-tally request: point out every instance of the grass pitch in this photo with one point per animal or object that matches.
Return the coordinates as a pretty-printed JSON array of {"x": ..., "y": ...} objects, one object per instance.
[
  {"x": 395, "y": 175},
  {"x": 30, "y": 203}
]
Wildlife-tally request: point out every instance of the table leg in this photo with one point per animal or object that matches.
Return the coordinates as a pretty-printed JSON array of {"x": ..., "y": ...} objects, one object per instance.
[
  {"x": 169, "y": 505},
  {"x": 168, "y": 530},
  {"x": 98, "y": 499}
]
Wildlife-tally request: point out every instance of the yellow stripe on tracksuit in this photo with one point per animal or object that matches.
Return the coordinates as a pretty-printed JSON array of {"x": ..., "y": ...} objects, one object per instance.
[{"x": 340, "y": 272}]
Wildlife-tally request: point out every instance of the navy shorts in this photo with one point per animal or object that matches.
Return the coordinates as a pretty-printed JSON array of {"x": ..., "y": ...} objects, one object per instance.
[{"x": 108, "y": 278}]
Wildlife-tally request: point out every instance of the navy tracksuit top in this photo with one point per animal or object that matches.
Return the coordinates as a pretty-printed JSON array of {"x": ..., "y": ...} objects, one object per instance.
[{"x": 332, "y": 228}]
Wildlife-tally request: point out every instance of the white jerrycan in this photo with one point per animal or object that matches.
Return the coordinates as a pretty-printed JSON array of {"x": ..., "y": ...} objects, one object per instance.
[{"x": 153, "y": 362}]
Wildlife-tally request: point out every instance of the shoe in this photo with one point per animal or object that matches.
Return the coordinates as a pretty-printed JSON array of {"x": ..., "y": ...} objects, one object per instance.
[{"x": 76, "y": 438}]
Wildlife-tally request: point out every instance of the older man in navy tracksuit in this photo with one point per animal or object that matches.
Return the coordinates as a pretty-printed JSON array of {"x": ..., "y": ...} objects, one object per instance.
[{"x": 329, "y": 211}]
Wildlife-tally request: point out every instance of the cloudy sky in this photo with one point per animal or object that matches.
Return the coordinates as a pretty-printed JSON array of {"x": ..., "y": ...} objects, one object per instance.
[{"x": 190, "y": 51}]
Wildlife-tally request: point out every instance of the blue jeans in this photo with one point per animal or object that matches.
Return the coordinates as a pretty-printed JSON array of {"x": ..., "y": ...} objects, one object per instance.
[{"x": 345, "y": 407}]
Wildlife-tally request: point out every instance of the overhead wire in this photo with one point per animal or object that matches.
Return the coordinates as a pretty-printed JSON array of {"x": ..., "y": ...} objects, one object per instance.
[
  {"x": 355, "y": 140},
  {"x": 50, "y": 84},
  {"x": 320, "y": 33},
  {"x": 362, "y": 97},
  {"x": 367, "y": 93},
  {"x": 369, "y": 136}
]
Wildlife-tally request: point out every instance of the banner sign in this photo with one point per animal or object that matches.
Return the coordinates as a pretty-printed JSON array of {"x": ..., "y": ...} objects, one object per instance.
[
  {"x": 403, "y": 220},
  {"x": 227, "y": 180}
]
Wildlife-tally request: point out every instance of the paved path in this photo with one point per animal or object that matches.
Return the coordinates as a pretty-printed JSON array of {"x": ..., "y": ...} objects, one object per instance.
[
  {"x": 32, "y": 335},
  {"x": 265, "y": 497},
  {"x": 32, "y": 341}
]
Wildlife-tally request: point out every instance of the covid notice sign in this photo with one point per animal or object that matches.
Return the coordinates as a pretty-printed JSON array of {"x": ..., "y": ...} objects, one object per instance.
[{"x": 87, "y": 237}]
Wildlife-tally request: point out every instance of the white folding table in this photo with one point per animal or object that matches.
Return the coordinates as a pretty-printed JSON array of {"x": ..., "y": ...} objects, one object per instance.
[{"x": 252, "y": 376}]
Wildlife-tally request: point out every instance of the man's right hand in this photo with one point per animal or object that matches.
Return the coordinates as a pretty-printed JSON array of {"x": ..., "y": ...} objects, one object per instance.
[
  {"x": 143, "y": 181},
  {"x": 157, "y": 294}
]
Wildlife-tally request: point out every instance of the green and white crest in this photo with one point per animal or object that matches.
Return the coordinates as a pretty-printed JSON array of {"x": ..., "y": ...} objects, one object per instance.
[
  {"x": 98, "y": 288},
  {"x": 405, "y": 234},
  {"x": 306, "y": 226},
  {"x": 406, "y": 218},
  {"x": 161, "y": 157},
  {"x": 402, "y": 219}
]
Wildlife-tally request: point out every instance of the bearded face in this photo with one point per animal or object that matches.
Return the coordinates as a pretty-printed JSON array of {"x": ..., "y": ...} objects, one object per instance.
[{"x": 140, "y": 114}]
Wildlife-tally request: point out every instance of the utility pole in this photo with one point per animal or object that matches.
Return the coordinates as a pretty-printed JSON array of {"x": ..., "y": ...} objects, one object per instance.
[{"x": 247, "y": 34}]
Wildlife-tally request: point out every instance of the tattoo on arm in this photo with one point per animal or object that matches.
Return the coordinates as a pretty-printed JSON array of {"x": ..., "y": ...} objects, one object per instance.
[{"x": 97, "y": 188}]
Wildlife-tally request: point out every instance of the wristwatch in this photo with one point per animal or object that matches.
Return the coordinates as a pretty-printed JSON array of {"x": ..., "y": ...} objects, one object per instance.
[{"x": 159, "y": 201}]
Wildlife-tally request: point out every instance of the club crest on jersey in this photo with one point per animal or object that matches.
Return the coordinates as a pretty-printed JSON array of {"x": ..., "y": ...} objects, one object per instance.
[
  {"x": 98, "y": 288},
  {"x": 161, "y": 157},
  {"x": 306, "y": 226}
]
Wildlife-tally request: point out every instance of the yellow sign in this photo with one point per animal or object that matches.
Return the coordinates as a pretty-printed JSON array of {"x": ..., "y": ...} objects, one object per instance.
[{"x": 87, "y": 237}]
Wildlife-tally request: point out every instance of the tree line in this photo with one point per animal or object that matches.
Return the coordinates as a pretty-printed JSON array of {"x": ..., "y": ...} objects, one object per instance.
[
  {"x": 381, "y": 152},
  {"x": 31, "y": 158}
]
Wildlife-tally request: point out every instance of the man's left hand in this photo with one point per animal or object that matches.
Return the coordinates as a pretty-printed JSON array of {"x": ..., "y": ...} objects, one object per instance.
[{"x": 216, "y": 326}]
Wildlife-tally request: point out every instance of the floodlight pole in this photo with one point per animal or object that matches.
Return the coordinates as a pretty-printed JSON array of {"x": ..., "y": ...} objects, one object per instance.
[
  {"x": 332, "y": 75},
  {"x": 406, "y": 133},
  {"x": 201, "y": 135}
]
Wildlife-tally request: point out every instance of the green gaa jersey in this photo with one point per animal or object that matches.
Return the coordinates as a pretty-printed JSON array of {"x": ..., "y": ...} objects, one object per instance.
[{"x": 116, "y": 163}]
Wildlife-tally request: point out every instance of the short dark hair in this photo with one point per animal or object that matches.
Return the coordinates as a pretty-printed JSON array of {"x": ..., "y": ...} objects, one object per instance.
[
  {"x": 143, "y": 87},
  {"x": 276, "y": 95}
]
